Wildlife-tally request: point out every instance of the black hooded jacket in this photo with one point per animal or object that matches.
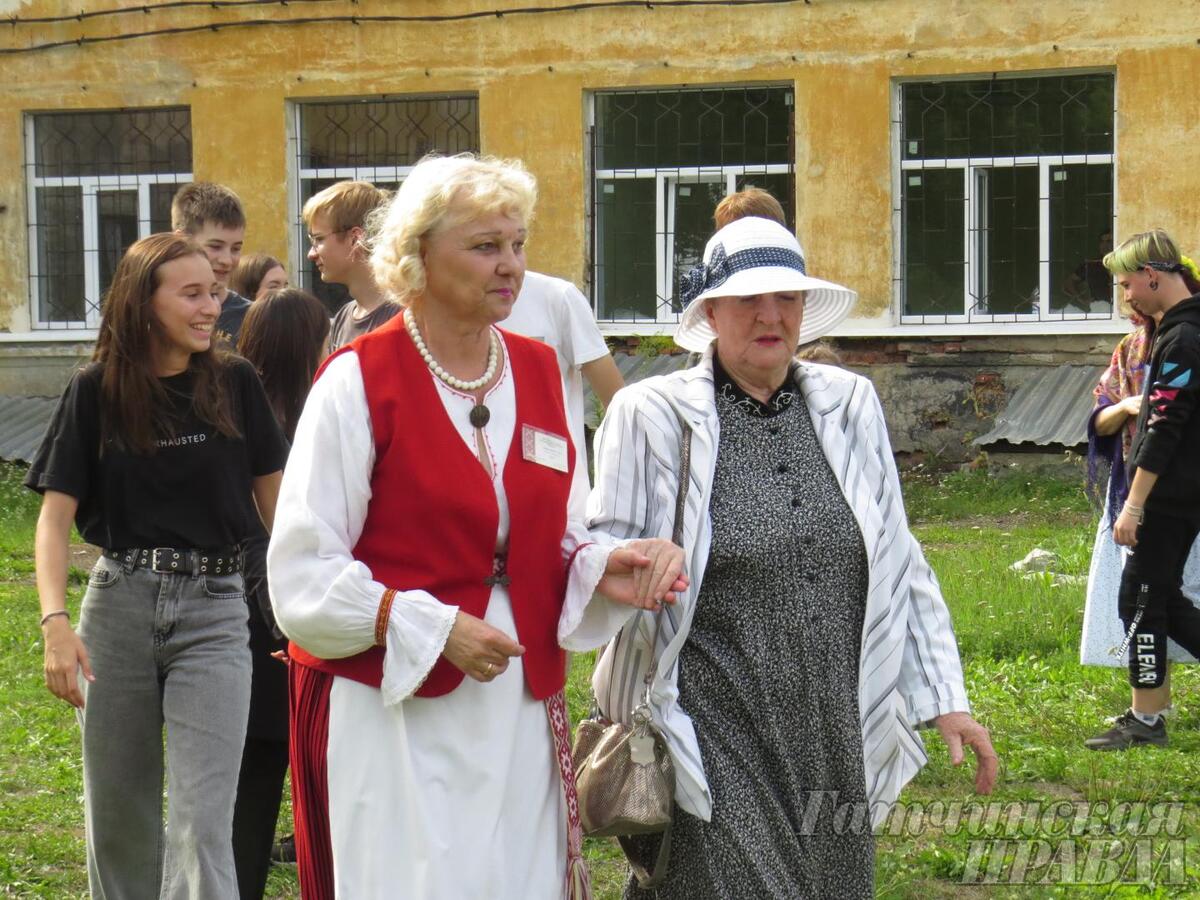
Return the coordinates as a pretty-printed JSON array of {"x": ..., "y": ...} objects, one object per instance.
[{"x": 1167, "y": 441}]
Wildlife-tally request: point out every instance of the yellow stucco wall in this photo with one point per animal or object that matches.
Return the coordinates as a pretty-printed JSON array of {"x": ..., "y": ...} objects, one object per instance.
[{"x": 532, "y": 72}]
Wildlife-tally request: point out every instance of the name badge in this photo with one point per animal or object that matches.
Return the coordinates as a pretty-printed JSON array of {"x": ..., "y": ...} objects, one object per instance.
[{"x": 544, "y": 448}]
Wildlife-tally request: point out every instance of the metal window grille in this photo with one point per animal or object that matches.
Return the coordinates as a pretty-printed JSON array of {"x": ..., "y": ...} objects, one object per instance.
[
  {"x": 377, "y": 140},
  {"x": 97, "y": 182},
  {"x": 1004, "y": 202},
  {"x": 661, "y": 161}
]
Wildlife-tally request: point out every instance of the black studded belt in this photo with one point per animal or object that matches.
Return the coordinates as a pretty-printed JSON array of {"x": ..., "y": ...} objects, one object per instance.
[{"x": 168, "y": 560}]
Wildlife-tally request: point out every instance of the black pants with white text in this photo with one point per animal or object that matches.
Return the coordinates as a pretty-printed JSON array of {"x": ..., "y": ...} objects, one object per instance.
[{"x": 1153, "y": 577}]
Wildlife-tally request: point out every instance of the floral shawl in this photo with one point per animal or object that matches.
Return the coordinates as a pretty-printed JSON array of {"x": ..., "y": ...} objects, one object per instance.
[{"x": 1124, "y": 377}]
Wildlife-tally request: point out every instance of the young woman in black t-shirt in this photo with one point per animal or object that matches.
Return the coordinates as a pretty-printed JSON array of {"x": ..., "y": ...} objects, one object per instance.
[
  {"x": 164, "y": 452},
  {"x": 284, "y": 336}
]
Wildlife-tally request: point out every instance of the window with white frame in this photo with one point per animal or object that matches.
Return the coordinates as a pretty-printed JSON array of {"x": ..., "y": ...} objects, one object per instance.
[
  {"x": 97, "y": 182},
  {"x": 377, "y": 140},
  {"x": 662, "y": 160},
  {"x": 1005, "y": 199}
]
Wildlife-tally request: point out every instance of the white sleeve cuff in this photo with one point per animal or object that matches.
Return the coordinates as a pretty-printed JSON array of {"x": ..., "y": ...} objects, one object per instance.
[
  {"x": 589, "y": 619},
  {"x": 418, "y": 628},
  {"x": 928, "y": 703}
]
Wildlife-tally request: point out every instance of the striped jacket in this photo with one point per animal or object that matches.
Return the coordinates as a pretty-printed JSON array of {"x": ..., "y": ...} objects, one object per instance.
[{"x": 909, "y": 672}]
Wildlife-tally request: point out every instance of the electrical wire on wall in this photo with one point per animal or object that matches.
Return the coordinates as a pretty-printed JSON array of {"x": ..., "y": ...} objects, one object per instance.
[
  {"x": 498, "y": 13},
  {"x": 147, "y": 8}
]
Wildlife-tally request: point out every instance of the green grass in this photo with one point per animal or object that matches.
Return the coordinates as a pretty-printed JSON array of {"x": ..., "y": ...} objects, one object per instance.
[
  {"x": 1019, "y": 641},
  {"x": 41, "y": 840}
]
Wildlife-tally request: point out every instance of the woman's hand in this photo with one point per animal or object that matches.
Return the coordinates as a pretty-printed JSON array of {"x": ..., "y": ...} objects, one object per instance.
[
  {"x": 957, "y": 729},
  {"x": 1112, "y": 418},
  {"x": 478, "y": 649},
  {"x": 65, "y": 655},
  {"x": 644, "y": 573},
  {"x": 1132, "y": 406},
  {"x": 1125, "y": 529}
]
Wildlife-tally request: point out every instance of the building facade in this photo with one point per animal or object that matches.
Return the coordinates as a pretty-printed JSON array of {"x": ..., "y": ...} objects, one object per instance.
[{"x": 962, "y": 164}]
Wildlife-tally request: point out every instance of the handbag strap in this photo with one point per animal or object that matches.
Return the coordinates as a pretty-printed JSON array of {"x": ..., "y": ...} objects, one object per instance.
[
  {"x": 648, "y": 878},
  {"x": 685, "y": 474}
]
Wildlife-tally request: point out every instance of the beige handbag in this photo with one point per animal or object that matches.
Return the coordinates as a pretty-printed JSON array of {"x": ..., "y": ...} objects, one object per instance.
[{"x": 624, "y": 775}]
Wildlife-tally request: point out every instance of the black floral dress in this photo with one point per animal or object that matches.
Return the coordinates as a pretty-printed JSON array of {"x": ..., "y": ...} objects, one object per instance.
[{"x": 769, "y": 672}]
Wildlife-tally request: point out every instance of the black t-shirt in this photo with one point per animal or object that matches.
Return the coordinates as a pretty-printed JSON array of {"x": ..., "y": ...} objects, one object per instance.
[
  {"x": 193, "y": 492},
  {"x": 346, "y": 328},
  {"x": 233, "y": 313}
]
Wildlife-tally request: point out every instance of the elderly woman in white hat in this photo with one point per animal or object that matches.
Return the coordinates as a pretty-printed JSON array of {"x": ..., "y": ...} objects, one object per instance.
[{"x": 813, "y": 641}]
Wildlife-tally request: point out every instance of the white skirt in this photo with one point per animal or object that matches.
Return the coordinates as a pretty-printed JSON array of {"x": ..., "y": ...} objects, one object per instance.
[
  {"x": 446, "y": 798},
  {"x": 1102, "y": 628}
]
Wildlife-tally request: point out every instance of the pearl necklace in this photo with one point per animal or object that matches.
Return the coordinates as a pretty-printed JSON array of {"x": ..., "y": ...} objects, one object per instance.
[{"x": 493, "y": 358}]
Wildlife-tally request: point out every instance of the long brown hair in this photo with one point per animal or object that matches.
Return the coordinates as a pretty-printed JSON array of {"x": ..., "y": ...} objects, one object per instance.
[
  {"x": 249, "y": 273},
  {"x": 284, "y": 336},
  {"x": 134, "y": 404}
]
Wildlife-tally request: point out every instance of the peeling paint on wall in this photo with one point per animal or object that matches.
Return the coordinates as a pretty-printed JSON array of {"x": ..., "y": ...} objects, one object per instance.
[
  {"x": 938, "y": 395},
  {"x": 533, "y": 75}
]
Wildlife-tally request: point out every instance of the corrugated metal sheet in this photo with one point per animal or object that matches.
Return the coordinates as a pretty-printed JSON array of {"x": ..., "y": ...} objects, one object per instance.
[
  {"x": 23, "y": 421},
  {"x": 1050, "y": 408},
  {"x": 634, "y": 367}
]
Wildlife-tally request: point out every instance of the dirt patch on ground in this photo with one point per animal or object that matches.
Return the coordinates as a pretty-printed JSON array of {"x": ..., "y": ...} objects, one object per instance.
[
  {"x": 84, "y": 556},
  {"x": 1008, "y": 521},
  {"x": 1047, "y": 789}
]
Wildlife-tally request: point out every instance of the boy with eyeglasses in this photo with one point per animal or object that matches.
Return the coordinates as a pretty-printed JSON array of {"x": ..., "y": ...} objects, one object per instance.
[{"x": 336, "y": 221}]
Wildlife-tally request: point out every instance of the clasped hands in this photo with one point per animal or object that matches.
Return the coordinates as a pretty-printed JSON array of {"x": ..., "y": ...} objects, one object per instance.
[
  {"x": 643, "y": 573},
  {"x": 1132, "y": 406}
]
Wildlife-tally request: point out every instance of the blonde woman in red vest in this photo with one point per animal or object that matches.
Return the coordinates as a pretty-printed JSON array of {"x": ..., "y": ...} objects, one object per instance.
[{"x": 420, "y": 562}]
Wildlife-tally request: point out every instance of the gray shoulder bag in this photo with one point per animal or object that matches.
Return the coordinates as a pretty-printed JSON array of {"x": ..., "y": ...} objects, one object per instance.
[{"x": 624, "y": 775}]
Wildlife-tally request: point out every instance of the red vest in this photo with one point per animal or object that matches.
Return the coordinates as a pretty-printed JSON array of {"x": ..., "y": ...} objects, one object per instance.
[{"x": 431, "y": 524}]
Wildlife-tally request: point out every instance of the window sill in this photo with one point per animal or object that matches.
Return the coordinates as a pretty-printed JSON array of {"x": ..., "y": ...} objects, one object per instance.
[
  {"x": 876, "y": 328},
  {"x": 50, "y": 336},
  {"x": 882, "y": 328},
  {"x": 643, "y": 329}
]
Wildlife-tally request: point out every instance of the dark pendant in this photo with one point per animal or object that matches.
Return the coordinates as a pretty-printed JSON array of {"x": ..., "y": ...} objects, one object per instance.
[{"x": 480, "y": 415}]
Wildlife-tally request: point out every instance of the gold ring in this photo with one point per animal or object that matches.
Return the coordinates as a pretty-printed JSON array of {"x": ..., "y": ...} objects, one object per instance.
[{"x": 491, "y": 668}]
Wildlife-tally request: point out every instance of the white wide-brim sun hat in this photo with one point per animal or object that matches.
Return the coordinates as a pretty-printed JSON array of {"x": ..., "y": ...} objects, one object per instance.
[{"x": 757, "y": 256}]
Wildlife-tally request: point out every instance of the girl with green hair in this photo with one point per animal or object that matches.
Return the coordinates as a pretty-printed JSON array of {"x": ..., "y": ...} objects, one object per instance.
[{"x": 1160, "y": 518}]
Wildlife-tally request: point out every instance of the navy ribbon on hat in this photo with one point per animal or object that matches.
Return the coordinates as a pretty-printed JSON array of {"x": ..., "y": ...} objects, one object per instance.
[{"x": 699, "y": 279}]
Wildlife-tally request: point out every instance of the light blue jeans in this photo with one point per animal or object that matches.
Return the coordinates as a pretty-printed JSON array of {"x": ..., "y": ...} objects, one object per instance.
[{"x": 170, "y": 649}]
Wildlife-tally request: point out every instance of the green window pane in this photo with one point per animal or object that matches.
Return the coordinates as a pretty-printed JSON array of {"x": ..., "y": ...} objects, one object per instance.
[
  {"x": 780, "y": 185},
  {"x": 123, "y": 142},
  {"x": 60, "y": 276},
  {"x": 1081, "y": 215},
  {"x": 1051, "y": 115},
  {"x": 117, "y": 213},
  {"x": 687, "y": 147},
  {"x": 386, "y": 132},
  {"x": 694, "y": 203},
  {"x": 1007, "y": 240},
  {"x": 684, "y": 128},
  {"x": 625, "y": 249},
  {"x": 160, "y": 206},
  {"x": 934, "y": 254}
]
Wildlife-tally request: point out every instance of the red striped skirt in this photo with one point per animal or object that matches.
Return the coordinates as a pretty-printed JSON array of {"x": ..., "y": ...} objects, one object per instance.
[{"x": 308, "y": 705}]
